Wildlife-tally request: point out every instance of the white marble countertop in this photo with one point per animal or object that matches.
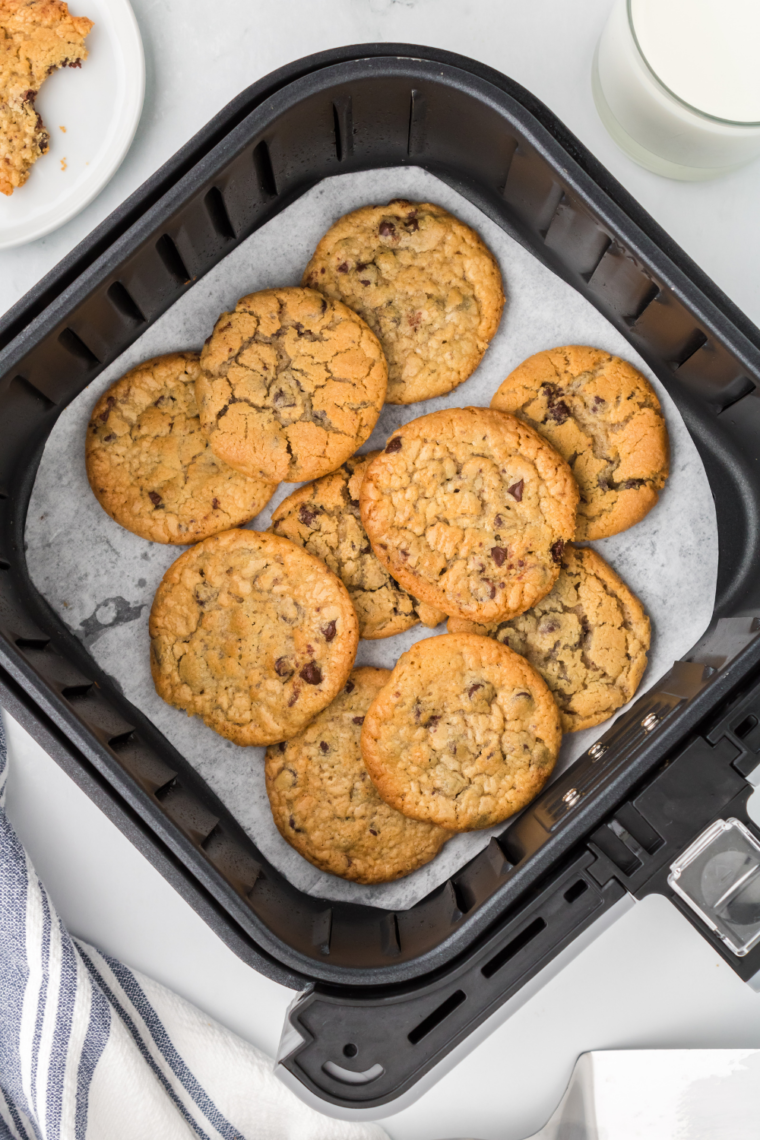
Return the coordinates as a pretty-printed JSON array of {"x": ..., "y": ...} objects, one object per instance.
[{"x": 648, "y": 981}]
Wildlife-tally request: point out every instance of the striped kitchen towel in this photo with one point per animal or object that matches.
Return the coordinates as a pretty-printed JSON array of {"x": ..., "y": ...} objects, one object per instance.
[{"x": 90, "y": 1050}]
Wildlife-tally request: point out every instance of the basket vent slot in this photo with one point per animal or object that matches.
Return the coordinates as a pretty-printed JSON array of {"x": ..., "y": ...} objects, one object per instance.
[
  {"x": 691, "y": 345},
  {"x": 743, "y": 729},
  {"x": 343, "y": 120},
  {"x": 321, "y": 931},
  {"x": 217, "y": 212},
  {"x": 32, "y": 642},
  {"x": 437, "y": 1016},
  {"x": 77, "y": 692},
  {"x": 573, "y": 893},
  {"x": 29, "y": 389},
  {"x": 262, "y": 161},
  {"x": 172, "y": 260},
  {"x": 124, "y": 303},
  {"x": 4, "y": 565},
  {"x": 162, "y": 792},
  {"x": 389, "y": 938},
  {"x": 518, "y": 943},
  {"x": 417, "y": 123},
  {"x": 76, "y": 347},
  {"x": 122, "y": 740}
]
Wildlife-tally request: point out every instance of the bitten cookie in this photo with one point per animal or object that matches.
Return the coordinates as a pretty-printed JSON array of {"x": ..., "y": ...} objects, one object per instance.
[
  {"x": 36, "y": 38},
  {"x": 604, "y": 418},
  {"x": 464, "y": 734},
  {"x": 469, "y": 509},
  {"x": 323, "y": 517},
  {"x": 426, "y": 284},
  {"x": 588, "y": 639},
  {"x": 150, "y": 466},
  {"x": 252, "y": 634},
  {"x": 291, "y": 384},
  {"x": 326, "y": 806}
]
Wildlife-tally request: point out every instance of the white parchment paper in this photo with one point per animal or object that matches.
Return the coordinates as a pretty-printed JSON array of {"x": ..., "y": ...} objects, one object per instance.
[{"x": 101, "y": 579}]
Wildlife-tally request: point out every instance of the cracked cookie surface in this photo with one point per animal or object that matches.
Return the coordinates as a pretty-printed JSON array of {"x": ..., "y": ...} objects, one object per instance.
[
  {"x": 424, "y": 282},
  {"x": 464, "y": 734},
  {"x": 588, "y": 638},
  {"x": 252, "y": 634},
  {"x": 469, "y": 510},
  {"x": 604, "y": 418},
  {"x": 36, "y": 38},
  {"x": 150, "y": 466},
  {"x": 324, "y": 518},
  {"x": 326, "y": 806},
  {"x": 291, "y": 384}
]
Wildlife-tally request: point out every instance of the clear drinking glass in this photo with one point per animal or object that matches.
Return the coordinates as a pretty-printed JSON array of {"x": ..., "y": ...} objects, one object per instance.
[{"x": 645, "y": 43}]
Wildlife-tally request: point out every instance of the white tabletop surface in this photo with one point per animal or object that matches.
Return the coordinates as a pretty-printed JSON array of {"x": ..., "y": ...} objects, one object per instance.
[{"x": 647, "y": 981}]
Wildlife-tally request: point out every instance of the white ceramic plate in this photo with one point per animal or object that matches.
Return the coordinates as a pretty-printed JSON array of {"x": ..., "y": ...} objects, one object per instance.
[{"x": 99, "y": 105}]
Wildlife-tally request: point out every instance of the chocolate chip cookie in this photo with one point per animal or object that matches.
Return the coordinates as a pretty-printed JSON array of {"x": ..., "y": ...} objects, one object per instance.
[
  {"x": 252, "y": 634},
  {"x": 150, "y": 465},
  {"x": 36, "y": 38},
  {"x": 464, "y": 734},
  {"x": 324, "y": 518},
  {"x": 588, "y": 639},
  {"x": 426, "y": 284},
  {"x": 326, "y": 806},
  {"x": 469, "y": 509},
  {"x": 604, "y": 418},
  {"x": 291, "y": 384}
]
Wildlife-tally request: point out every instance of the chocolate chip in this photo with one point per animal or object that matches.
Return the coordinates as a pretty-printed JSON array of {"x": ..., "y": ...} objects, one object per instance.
[
  {"x": 364, "y": 281},
  {"x": 358, "y": 720},
  {"x": 522, "y": 695},
  {"x": 311, "y": 673},
  {"x": 474, "y": 688},
  {"x": 350, "y": 686},
  {"x": 516, "y": 490},
  {"x": 387, "y": 229},
  {"x": 293, "y": 698},
  {"x": 109, "y": 438},
  {"x": 366, "y": 549},
  {"x": 433, "y": 722},
  {"x": 632, "y": 484},
  {"x": 281, "y": 746},
  {"x": 373, "y": 832},
  {"x": 498, "y": 521},
  {"x": 548, "y": 626},
  {"x": 110, "y": 403},
  {"x": 215, "y": 504},
  {"x": 393, "y": 444},
  {"x": 283, "y": 668},
  {"x": 343, "y": 267},
  {"x": 155, "y": 498},
  {"x": 306, "y": 514},
  {"x": 499, "y": 555},
  {"x": 324, "y": 746},
  {"x": 557, "y": 549},
  {"x": 412, "y": 224},
  {"x": 292, "y": 823},
  {"x": 558, "y": 412},
  {"x": 328, "y": 631}
]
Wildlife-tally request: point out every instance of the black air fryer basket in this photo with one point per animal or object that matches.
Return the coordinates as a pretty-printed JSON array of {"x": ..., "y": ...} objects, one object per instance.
[{"x": 389, "y": 995}]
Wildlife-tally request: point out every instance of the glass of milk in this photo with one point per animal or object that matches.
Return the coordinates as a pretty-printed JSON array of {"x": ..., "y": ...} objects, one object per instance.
[{"x": 677, "y": 84}]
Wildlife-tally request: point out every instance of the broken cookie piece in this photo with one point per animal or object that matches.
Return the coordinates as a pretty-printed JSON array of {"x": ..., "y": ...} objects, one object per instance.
[{"x": 36, "y": 38}]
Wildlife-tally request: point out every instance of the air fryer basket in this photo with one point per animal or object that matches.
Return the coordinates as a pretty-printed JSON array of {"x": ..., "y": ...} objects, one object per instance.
[{"x": 392, "y": 993}]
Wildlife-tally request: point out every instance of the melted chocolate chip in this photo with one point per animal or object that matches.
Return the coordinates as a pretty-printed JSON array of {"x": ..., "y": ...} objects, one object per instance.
[
  {"x": 474, "y": 688},
  {"x": 324, "y": 746},
  {"x": 387, "y": 229},
  {"x": 364, "y": 281},
  {"x": 433, "y": 722},
  {"x": 109, "y": 438},
  {"x": 343, "y": 267},
  {"x": 632, "y": 484},
  {"x": 358, "y": 720},
  {"x": 548, "y": 626},
  {"x": 394, "y": 444},
  {"x": 307, "y": 514},
  {"x": 283, "y": 668},
  {"x": 350, "y": 686},
  {"x": 155, "y": 498},
  {"x": 516, "y": 490},
  {"x": 499, "y": 555},
  {"x": 281, "y": 746},
  {"x": 557, "y": 550},
  {"x": 373, "y": 832},
  {"x": 293, "y": 698},
  {"x": 328, "y": 631},
  {"x": 558, "y": 412},
  {"x": 412, "y": 224},
  {"x": 311, "y": 673},
  {"x": 215, "y": 504},
  {"x": 498, "y": 521}
]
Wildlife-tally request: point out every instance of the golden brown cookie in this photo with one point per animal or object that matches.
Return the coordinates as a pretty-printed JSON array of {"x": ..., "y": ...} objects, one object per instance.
[
  {"x": 326, "y": 806},
  {"x": 36, "y": 38},
  {"x": 426, "y": 284},
  {"x": 252, "y": 634},
  {"x": 469, "y": 510},
  {"x": 150, "y": 466},
  {"x": 604, "y": 418},
  {"x": 291, "y": 384},
  {"x": 323, "y": 517},
  {"x": 464, "y": 734},
  {"x": 588, "y": 639}
]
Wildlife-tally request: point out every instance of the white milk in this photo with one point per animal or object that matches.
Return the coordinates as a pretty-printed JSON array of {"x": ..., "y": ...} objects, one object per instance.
[{"x": 677, "y": 83}]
